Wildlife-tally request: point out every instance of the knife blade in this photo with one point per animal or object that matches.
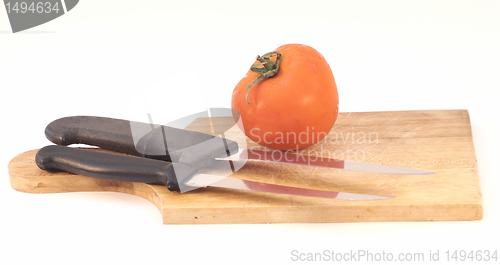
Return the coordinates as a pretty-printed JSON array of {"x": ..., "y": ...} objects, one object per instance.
[
  {"x": 288, "y": 157},
  {"x": 207, "y": 180},
  {"x": 277, "y": 156}
]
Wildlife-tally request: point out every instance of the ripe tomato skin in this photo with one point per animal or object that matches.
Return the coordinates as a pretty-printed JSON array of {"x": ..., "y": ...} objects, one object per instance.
[{"x": 294, "y": 109}]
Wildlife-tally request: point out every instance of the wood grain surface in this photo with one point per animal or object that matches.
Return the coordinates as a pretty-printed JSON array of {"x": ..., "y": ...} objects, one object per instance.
[{"x": 436, "y": 140}]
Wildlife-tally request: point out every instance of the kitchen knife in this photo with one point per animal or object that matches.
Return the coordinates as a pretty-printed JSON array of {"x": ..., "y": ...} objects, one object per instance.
[
  {"x": 167, "y": 143},
  {"x": 175, "y": 176}
]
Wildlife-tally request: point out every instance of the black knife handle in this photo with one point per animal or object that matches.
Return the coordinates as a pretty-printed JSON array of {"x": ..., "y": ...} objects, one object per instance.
[
  {"x": 111, "y": 166},
  {"x": 162, "y": 143},
  {"x": 111, "y": 134}
]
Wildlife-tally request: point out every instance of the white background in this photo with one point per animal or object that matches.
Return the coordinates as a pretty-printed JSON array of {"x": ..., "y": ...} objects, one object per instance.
[{"x": 125, "y": 59}]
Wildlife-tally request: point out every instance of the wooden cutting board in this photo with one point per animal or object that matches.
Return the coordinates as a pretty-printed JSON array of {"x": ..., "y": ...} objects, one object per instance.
[{"x": 437, "y": 140}]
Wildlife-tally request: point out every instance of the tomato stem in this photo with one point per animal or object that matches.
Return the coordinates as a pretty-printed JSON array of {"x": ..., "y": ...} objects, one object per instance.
[{"x": 266, "y": 66}]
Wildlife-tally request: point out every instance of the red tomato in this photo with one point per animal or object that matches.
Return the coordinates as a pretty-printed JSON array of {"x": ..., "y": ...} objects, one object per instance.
[{"x": 288, "y": 99}]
